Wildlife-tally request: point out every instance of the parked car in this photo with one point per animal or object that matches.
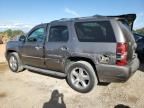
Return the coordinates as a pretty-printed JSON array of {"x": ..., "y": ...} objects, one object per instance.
[
  {"x": 140, "y": 45},
  {"x": 84, "y": 50}
]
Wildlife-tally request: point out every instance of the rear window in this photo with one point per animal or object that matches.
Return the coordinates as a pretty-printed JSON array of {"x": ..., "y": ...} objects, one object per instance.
[{"x": 96, "y": 31}]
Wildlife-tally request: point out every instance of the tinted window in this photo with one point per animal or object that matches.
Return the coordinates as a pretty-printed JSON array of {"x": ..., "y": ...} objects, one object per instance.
[
  {"x": 58, "y": 34},
  {"x": 100, "y": 31},
  {"x": 36, "y": 36}
]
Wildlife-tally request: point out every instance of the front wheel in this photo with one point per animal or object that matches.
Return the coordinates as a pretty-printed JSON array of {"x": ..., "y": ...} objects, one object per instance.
[
  {"x": 14, "y": 62},
  {"x": 81, "y": 76}
]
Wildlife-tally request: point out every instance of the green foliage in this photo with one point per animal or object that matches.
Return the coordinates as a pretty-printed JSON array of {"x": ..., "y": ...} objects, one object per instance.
[
  {"x": 12, "y": 33},
  {"x": 9, "y": 33},
  {"x": 140, "y": 31}
]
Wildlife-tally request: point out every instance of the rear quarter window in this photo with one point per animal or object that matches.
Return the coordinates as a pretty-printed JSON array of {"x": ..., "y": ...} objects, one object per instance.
[{"x": 96, "y": 31}]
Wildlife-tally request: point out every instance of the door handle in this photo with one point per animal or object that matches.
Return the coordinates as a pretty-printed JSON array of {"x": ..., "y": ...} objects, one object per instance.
[
  {"x": 64, "y": 48},
  {"x": 38, "y": 47}
]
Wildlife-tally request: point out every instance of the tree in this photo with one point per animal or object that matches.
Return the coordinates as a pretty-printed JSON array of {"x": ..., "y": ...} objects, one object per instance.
[
  {"x": 9, "y": 32},
  {"x": 12, "y": 33},
  {"x": 1, "y": 42},
  {"x": 17, "y": 32}
]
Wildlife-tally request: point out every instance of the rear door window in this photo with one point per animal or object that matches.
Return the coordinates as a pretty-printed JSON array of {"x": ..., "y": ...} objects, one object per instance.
[
  {"x": 58, "y": 34},
  {"x": 96, "y": 31}
]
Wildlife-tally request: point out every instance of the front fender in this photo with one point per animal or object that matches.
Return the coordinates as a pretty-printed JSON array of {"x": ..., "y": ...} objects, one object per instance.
[{"x": 12, "y": 46}]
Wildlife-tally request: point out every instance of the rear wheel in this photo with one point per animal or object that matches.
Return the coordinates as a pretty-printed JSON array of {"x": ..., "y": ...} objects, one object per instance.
[
  {"x": 81, "y": 76},
  {"x": 14, "y": 62}
]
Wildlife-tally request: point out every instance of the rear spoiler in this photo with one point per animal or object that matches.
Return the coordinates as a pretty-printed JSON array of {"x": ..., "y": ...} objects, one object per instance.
[{"x": 125, "y": 18}]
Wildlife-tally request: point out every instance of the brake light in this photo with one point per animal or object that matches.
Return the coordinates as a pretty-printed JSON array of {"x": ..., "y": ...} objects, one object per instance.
[{"x": 121, "y": 54}]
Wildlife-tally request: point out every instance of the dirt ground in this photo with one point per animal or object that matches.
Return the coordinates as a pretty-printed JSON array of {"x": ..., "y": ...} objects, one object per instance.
[
  {"x": 32, "y": 90},
  {"x": 2, "y": 50}
]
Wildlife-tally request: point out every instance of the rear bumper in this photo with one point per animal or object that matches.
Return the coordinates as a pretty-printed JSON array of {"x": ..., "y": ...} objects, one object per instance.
[{"x": 113, "y": 73}]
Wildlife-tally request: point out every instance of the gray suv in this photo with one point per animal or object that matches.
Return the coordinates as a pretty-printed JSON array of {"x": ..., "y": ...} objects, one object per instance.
[{"x": 85, "y": 50}]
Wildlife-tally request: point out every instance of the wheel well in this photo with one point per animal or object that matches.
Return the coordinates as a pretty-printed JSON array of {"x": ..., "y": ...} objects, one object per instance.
[
  {"x": 83, "y": 59},
  {"x": 8, "y": 52}
]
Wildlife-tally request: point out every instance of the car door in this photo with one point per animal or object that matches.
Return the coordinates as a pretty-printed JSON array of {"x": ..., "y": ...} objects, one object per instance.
[
  {"x": 33, "y": 47},
  {"x": 56, "y": 48}
]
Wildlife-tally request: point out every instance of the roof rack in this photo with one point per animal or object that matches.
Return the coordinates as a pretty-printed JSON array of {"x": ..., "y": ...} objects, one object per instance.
[
  {"x": 62, "y": 19},
  {"x": 124, "y": 16},
  {"x": 71, "y": 19}
]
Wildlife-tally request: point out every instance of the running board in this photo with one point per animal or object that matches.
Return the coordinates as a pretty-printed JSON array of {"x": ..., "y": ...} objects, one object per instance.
[{"x": 44, "y": 71}]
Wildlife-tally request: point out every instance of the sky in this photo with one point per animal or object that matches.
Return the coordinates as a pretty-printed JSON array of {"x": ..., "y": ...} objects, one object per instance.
[{"x": 24, "y": 14}]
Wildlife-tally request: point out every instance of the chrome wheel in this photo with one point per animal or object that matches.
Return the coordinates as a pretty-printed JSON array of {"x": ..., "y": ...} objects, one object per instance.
[
  {"x": 13, "y": 63},
  {"x": 80, "y": 78}
]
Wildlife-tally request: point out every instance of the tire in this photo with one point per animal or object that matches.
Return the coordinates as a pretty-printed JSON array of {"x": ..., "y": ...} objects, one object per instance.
[
  {"x": 14, "y": 62},
  {"x": 81, "y": 76}
]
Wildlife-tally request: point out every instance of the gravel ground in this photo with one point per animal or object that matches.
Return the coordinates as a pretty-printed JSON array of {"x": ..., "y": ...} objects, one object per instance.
[{"x": 32, "y": 90}]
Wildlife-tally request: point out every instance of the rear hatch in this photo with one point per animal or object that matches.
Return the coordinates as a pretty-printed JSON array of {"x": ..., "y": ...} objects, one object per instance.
[{"x": 126, "y": 23}]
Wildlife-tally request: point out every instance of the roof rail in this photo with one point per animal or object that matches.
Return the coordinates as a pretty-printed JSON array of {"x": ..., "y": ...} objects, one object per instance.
[{"x": 124, "y": 16}]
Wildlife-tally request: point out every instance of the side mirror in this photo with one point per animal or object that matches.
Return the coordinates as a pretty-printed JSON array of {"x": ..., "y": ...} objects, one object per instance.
[{"x": 22, "y": 38}]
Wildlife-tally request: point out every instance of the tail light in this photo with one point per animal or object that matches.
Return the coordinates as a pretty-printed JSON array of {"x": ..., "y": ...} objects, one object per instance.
[{"x": 121, "y": 54}]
